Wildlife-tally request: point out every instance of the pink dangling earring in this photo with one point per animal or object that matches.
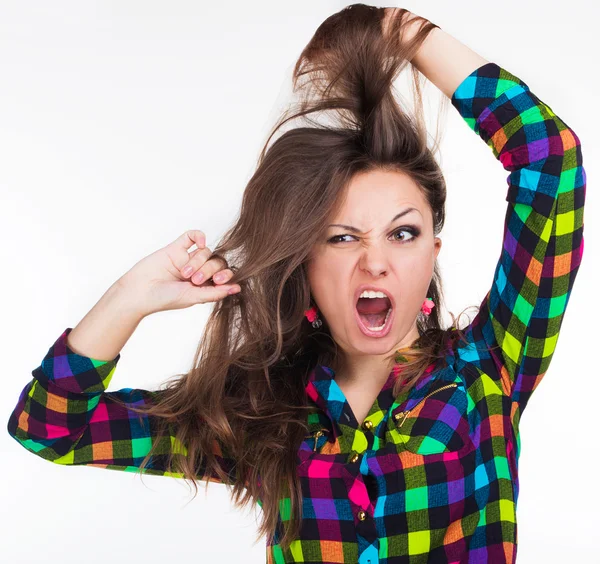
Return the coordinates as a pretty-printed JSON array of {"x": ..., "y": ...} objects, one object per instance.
[
  {"x": 313, "y": 316},
  {"x": 427, "y": 306}
]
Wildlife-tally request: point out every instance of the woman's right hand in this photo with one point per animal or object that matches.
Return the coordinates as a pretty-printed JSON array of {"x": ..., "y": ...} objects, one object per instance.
[{"x": 158, "y": 282}]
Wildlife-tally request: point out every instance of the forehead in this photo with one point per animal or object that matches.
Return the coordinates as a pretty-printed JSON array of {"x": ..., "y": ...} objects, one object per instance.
[{"x": 378, "y": 193}]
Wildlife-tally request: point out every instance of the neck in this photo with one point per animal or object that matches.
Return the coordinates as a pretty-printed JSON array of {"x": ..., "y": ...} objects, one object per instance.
[{"x": 371, "y": 369}]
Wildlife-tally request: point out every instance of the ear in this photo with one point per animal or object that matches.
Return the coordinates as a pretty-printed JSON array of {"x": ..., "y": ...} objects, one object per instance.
[{"x": 437, "y": 242}]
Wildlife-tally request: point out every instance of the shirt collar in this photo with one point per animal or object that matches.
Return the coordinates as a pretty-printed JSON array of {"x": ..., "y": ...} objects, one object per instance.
[{"x": 324, "y": 391}]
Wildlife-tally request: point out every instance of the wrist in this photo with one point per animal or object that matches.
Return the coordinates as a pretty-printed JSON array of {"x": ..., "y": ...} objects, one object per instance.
[
  {"x": 124, "y": 298},
  {"x": 411, "y": 28},
  {"x": 105, "y": 329}
]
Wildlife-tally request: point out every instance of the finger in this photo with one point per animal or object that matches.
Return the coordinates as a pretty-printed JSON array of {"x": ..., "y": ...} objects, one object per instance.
[
  {"x": 222, "y": 276},
  {"x": 199, "y": 269},
  {"x": 207, "y": 270},
  {"x": 191, "y": 255},
  {"x": 178, "y": 250},
  {"x": 204, "y": 294},
  {"x": 195, "y": 260},
  {"x": 190, "y": 238}
]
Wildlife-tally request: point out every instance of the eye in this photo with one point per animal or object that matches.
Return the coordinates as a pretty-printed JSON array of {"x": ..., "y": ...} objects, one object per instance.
[
  {"x": 335, "y": 239},
  {"x": 414, "y": 231}
]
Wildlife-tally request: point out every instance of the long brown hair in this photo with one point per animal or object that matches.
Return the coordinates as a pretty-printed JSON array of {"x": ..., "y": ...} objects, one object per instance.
[{"x": 246, "y": 391}]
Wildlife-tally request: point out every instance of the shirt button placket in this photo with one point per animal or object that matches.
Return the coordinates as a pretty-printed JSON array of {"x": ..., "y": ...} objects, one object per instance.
[
  {"x": 366, "y": 528},
  {"x": 367, "y": 425}
]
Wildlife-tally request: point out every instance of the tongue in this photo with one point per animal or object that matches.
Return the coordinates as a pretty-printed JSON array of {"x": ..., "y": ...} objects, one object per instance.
[{"x": 372, "y": 311}]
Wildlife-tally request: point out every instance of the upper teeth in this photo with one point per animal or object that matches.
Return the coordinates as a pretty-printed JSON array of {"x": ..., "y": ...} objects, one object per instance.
[{"x": 372, "y": 294}]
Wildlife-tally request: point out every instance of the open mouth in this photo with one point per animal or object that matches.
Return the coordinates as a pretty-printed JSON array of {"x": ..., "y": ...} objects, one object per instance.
[{"x": 374, "y": 314}]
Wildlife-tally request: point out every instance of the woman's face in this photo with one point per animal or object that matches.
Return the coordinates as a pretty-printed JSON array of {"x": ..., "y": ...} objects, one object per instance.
[{"x": 396, "y": 255}]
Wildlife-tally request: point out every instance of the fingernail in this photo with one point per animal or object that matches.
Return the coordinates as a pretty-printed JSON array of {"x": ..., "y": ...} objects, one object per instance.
[
  {"x": 233, "y": 291},
  {"x": 218, "y": 277},
  {"x": 187, "y": 270}
]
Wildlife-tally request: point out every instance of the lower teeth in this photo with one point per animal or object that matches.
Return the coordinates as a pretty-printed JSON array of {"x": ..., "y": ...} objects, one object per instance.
[{"x": 387, "y": 315}]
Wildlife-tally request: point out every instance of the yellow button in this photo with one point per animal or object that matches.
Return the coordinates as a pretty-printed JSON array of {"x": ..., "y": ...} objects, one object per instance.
[
  {"x": 354, "y": 457},
  {"x": 362, "y": 515},
  {"x": 368, "y": 424}
]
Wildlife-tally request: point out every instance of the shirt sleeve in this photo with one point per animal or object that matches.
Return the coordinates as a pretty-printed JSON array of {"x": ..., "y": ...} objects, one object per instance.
[
  {"x": 542, "y": 245},
  {"x": 65, "y": 415}
]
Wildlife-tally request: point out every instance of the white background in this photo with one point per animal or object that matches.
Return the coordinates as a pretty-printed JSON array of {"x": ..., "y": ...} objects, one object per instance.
[{"x": 123, "y": 124}]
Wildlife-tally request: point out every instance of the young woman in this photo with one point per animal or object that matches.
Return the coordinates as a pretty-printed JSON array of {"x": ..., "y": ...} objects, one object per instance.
[{"x": 325, "y": 387}]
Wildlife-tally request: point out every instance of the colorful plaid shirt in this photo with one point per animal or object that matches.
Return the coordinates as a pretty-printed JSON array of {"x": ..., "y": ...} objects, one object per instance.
[{"x": 432, "y": 474}]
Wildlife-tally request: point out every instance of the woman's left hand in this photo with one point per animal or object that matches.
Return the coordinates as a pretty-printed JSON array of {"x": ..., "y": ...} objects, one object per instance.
[{"x": 409, "y": 22}]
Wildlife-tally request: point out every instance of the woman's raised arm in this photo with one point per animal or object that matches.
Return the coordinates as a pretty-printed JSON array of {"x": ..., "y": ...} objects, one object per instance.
[
  {"x": 65, "y": 413},
  {"x": 542, "y": 244}
]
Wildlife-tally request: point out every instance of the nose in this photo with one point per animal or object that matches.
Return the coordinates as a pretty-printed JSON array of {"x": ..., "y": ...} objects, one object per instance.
[{"x": 374, "y": 261}]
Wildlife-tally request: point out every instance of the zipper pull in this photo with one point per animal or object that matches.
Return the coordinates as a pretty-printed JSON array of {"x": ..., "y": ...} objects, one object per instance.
[
  {"x": 404, "y": 414},
  {"x": 316, "y": 436}
]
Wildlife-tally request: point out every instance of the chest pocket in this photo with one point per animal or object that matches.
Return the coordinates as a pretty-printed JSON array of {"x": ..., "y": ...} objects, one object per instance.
[{"x": 435, "y": 423}]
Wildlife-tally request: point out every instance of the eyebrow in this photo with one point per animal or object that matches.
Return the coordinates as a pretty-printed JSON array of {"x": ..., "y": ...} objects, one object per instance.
[{"x": 356, "y": 230}]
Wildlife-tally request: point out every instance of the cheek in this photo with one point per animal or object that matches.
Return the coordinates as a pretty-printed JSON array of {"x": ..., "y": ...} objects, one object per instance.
[
  {"x": 417, "y": 260},
  {"x": 414, "y": 277},
  {"x": 421, "y": 269},
  {"x": 327, "y": 270},
  {"x": 329, "y": 283}
]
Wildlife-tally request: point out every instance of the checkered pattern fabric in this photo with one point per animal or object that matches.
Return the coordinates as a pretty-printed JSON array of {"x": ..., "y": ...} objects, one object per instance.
[{"x": 430, "y": 475}]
